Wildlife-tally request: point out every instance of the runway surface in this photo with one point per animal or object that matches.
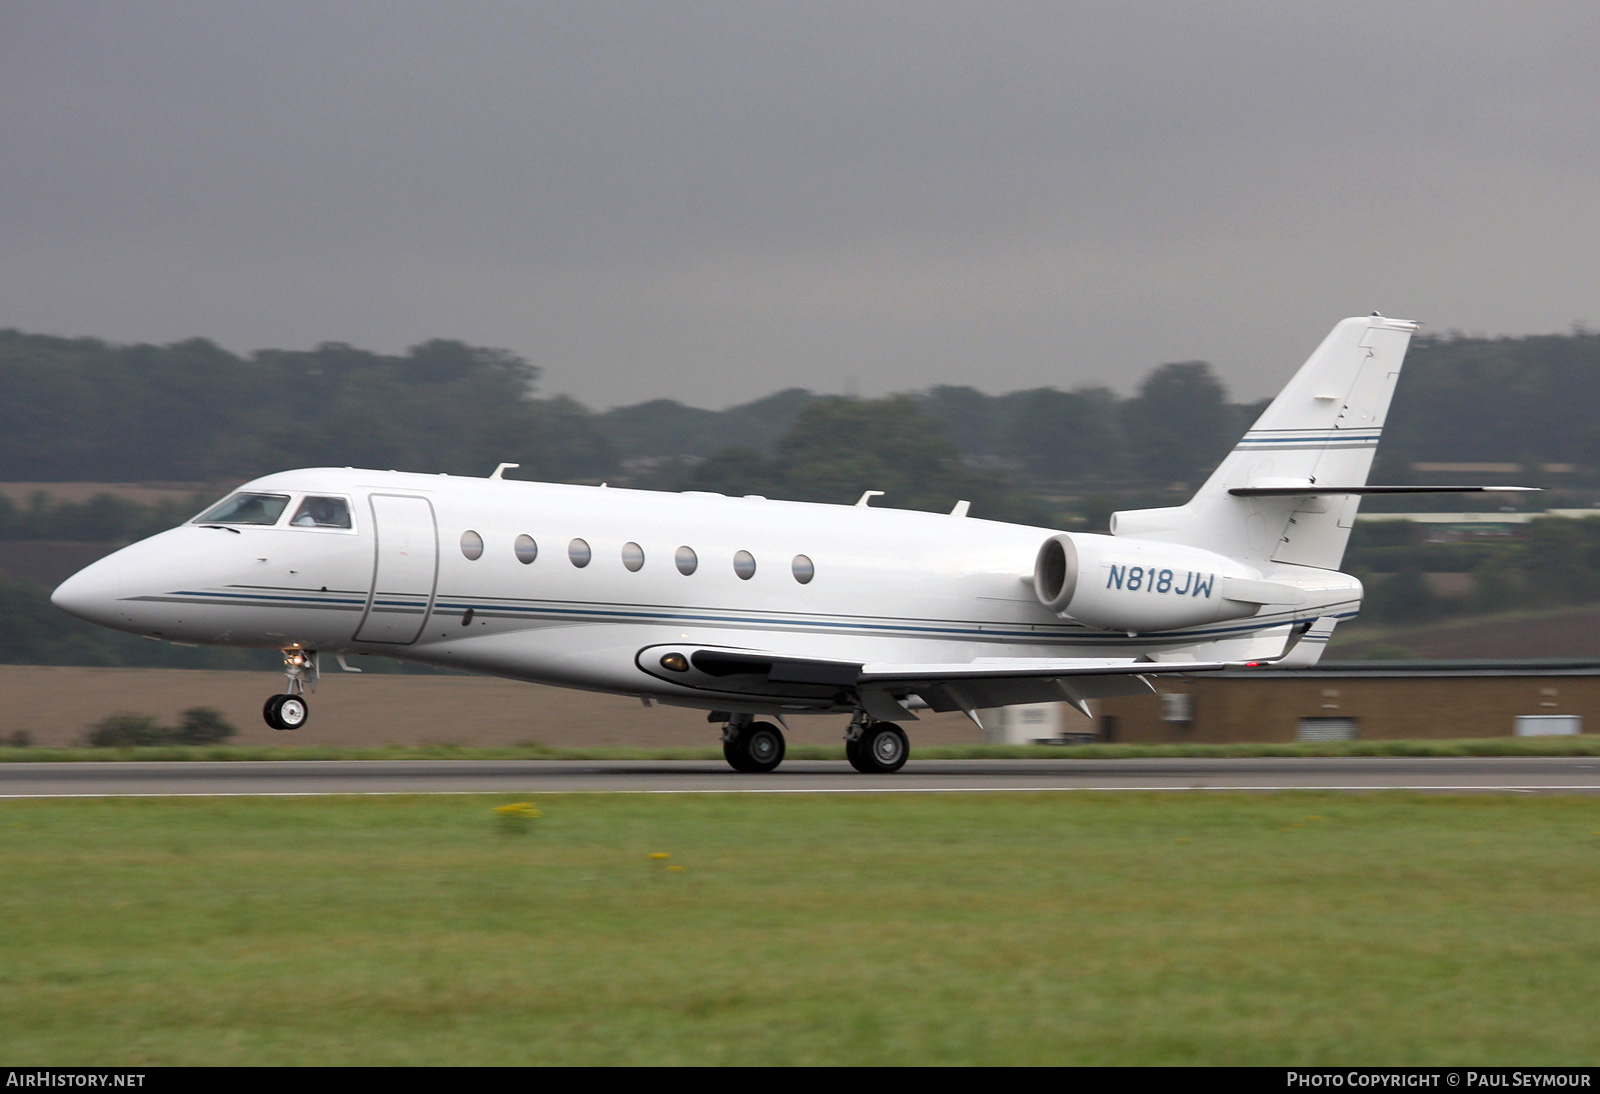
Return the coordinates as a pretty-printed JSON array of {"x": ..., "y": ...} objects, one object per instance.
[{"x": 1572, "y": 775}]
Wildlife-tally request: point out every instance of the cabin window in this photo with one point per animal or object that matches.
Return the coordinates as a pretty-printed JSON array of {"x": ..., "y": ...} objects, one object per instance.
[
  {"x": 744, "y": 564},
  {"x": 246, "y": 509},
  {"x": 578, "y": 551},
  {"x": 319, "y": 512},
  {"x": 471, "y": 544},
  {"x": 632, "y": 556},
  {"x": 804, "y": 571},
  {"x": 527, "y": 550},
  {"x": 686, "y": 560}
]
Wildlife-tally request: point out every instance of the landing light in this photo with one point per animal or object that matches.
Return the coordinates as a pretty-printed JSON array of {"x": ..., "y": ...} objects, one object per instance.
[{"x": 677, "y": 662}]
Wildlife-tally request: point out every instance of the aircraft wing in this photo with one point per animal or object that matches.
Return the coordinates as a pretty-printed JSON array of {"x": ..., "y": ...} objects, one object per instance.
[
  {"x": 1003, "y": 681},
  {"x": 884, "y": 689},
  {"x": 1026, "y": 668}
]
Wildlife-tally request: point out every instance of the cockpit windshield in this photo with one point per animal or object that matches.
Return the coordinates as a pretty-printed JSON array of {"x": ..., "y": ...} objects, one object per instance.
[
  {"x": 246, "y": 509},
  {"x": 318, "y": 512}
]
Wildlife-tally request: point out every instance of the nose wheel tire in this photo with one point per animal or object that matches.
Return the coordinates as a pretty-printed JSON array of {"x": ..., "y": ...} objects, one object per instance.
[
  {"x": 881, "y": 749},
  {"x": 755, "y": 748},
  {"x": 286, "y": 711}
]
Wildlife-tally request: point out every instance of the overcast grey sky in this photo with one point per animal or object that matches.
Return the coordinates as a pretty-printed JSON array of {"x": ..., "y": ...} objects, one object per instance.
[{"x": 712, "y": 201}]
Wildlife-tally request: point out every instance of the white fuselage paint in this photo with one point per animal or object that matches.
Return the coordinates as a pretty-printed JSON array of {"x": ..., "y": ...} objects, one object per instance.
[{"x": 888, "y": 586}]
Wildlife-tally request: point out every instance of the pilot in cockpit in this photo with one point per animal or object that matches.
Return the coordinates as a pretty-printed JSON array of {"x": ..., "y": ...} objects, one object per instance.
[{"x": 317, "y": 512}]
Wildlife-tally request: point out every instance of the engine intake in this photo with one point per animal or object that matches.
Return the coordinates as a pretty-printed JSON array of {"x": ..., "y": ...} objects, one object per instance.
[{"x": 1137, "y": 586}]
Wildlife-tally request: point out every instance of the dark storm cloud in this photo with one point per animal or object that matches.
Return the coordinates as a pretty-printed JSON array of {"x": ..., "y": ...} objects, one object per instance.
[{"x": 712, "y": 201}]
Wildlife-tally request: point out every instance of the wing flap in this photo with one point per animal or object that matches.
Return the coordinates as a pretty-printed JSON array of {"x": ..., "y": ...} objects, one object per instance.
[
  {"x": 890, "y": 689},
  {"x": 1022, "y": 668},
  {"x": 1006, "y": 681}
]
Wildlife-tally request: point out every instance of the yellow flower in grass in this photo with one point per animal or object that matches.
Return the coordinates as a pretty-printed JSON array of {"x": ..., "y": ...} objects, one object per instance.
[{"x": 517, "y": 817}]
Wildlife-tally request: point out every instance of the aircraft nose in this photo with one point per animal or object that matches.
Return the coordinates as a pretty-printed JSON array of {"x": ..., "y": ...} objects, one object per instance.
[{"x": 92, "y": 592}]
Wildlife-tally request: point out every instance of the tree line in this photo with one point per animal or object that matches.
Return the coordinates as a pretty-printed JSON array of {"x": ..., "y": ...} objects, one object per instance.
[{"x": 86, "y": 410}]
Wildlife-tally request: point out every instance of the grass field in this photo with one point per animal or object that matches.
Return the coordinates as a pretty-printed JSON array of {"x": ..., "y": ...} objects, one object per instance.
[{"x": 892, "y": 929}]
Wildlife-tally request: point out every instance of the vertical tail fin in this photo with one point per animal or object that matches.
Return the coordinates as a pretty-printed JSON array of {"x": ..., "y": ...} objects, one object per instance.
[{"x": 1321, "y": 430}]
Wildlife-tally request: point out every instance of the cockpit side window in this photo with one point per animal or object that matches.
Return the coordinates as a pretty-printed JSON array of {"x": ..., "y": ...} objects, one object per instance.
[
  {"x": 320, "y": 512},
  {"x": 246, "y": 509}
]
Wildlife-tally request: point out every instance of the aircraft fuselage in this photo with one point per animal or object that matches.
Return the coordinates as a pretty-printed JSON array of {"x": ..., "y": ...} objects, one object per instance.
[{"x": 578, "y": 585}]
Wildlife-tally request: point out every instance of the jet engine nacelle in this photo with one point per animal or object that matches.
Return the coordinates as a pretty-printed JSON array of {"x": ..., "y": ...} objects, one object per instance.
[{"x": 1137, "y": 586}]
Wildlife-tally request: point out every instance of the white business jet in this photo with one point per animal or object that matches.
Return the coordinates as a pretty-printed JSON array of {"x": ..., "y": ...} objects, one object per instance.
[{"x": 754, "y": 609}]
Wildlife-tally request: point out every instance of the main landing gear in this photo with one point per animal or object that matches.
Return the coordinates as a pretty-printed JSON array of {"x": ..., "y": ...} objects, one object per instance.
[
  {"x": 876, "y": 748},
  {"x": 290, "y": 709},
  {"x": 873, "y": 748},
  {"x": 750, "y": 746}
]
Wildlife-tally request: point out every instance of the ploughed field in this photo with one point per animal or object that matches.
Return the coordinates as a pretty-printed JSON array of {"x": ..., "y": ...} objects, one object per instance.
[
  {"x": 1543, "y": 634},
  {"x": 55, "y": 706}
]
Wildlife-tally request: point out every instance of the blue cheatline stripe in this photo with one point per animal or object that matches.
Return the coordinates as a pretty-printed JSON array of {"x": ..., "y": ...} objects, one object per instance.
[
  {"x": 1312, "y": 436},
  {"x": 1315, "y": 431},
  {"x": 285, "y": 597},
  {"x": 1056, "y": 634},
  {"x": 1309, "y": 443}
]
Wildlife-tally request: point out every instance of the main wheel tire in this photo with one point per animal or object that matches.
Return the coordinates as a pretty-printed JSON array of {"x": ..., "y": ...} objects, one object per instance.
[
  {"x": 884, "y": 748},
  {"x": 853, "y": 753},
  {"x": 762, "y": 746},
  {"x": 755, "y": 748}
]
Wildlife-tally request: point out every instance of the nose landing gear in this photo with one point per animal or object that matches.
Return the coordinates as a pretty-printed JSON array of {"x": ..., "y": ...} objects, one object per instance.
[
  {"x": 290, "y": 709},
  {"x": 286, "y": 711}
]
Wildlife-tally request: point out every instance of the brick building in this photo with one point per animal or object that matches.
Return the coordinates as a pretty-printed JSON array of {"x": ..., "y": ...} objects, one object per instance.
[{"x": 1378, "y": 700}]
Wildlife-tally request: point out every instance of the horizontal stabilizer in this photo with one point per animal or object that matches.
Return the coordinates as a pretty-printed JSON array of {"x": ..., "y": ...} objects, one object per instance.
[{"x": 1308, "y": 490}]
